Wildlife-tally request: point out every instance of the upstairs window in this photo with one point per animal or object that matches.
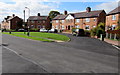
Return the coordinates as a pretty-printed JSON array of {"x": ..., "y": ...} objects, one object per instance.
[
  {"x": 113, "y": 17},
  {"x": 87, "y": 19},
  {"x": 62, "y": 21},
  {"x": 77, "y": 20},
  {"x": 32, "y": 21},
  {"x": 57, "y": 21}
]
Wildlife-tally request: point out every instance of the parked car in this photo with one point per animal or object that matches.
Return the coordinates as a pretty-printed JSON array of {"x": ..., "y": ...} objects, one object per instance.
[
  {"x": 43, "y": 30},
  {"x": 78, "y": 32},
  {"x": 22, "y": 30},
  {"x": 53, "y": 31}
]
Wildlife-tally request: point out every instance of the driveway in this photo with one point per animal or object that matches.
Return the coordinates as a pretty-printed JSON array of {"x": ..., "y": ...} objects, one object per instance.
[{"x": 80, "y": 55}]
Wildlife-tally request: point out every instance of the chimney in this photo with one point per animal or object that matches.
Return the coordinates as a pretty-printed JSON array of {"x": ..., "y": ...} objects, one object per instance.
[
  {"x": 38, "y": 14},
  {"x": 13, "y": 15},
  {"x": 65, "y": 12},
  {"x": 88, "y": 9}
]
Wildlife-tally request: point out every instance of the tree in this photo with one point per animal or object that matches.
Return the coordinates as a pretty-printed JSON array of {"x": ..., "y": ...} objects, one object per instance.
[{"x": 53, "y": 14}]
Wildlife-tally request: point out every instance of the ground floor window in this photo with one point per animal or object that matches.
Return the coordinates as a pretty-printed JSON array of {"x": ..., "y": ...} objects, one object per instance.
[
  {"x": 94, "y": 26},
  {"x": 39, "y": 26},
  {"x": 113, "y": 27},
  {"x": 53, "y": 27},
  {"x": 56, "y": 26},
  {"x": 87, "y": 27},
  {"x": 32, "y": 26},
  {"x": 63, "y": 27},
  {"x": 77, "y": 26}
]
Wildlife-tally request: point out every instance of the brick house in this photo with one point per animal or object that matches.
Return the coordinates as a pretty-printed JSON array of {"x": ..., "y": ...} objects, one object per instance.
[
  {"x": 39, "y": 22},
  {"x": 12, "y": 22},
  {"x": 84, "y": 20},
  {"x": 112, "y": 19}
]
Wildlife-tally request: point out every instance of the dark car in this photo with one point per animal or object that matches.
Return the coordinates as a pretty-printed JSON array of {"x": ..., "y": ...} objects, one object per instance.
[
  {"x": 53, "y": 31},
  {"x": 78, "y": 32}
]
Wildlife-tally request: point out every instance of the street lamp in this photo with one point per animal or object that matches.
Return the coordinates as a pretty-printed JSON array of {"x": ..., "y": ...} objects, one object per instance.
[{"x": 28, "y": 22}]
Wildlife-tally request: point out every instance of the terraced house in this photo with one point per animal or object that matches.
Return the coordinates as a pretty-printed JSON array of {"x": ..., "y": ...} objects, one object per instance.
[
  {"x": 113, "y": 19},
  {"x": 84, "y": 20},
  {"x": 38, "y": 22}
]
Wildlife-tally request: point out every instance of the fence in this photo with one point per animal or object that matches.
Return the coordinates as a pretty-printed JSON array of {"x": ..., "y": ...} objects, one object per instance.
[{"x": 113, "y": 34}]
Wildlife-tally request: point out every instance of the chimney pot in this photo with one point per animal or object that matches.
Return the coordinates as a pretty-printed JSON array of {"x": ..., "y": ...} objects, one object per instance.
[
  {"x": 38, "y": 14},
  {"x": 88, "y": 9},
  {"x": 65, "y": 12}
]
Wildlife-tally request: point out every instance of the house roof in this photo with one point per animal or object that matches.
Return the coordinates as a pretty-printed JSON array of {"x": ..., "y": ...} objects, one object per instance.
[
  {"x": 60, "y": 17},
  {"x": 87, "y": 14},
  {"x": 80, "y": 15},
  {"x": 38, "y": 18},
  {"x": 115, "y": 11}
]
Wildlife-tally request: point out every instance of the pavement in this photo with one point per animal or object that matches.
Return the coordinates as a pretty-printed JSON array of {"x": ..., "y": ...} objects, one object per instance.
[{"x": 80, "y": 55}]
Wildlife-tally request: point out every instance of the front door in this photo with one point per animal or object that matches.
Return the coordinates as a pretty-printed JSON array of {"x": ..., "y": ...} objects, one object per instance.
[{"x": 69, "y": 27}]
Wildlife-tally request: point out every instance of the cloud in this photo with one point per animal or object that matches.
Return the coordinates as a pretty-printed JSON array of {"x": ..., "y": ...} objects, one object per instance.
[
  {"x": 109, "y": 6},
  {"x": 17, "y": 6}
]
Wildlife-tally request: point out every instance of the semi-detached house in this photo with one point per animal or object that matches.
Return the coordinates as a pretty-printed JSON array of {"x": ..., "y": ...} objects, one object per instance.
[
  {"x": 84, "y": 20},
  {"x": 113, "y": 19}
]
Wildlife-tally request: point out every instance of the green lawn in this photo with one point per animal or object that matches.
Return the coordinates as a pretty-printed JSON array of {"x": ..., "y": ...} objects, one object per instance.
[{"x": 40, "y": 36}]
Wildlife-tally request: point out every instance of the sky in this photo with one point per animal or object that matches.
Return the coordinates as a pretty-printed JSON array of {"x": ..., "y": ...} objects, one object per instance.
[{"x": 9, "y": 7}]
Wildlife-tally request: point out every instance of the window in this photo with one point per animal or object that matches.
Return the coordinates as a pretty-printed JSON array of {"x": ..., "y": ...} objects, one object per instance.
[
  {"x": 56, "y": 26},
  {"x": 53, "y": 27},
  {"x": 113, "y": 27},
  {"x": 77, "y": 26},
  {"x": 43, "y": 21},
  {"x": 32, "y": 26},
  {"x": 39, "y": 26},
  {"x": 77, "y": 20},
  {"x": 56, "y": 21},
  {"x": 32, "y": 21},
  {"x": 94, "y": 26},
  {"x": 16, "y": 21},
  {"x": 87, "y": 19},
  {"x": 113, "y": 17},
  {"x": 87, "y": 27},
  {"x": 39, "y": 21},
  {"x": 62, "y": 21},
  {"x": 94, "y": 19},
  {"x": 63, "y": 27}
]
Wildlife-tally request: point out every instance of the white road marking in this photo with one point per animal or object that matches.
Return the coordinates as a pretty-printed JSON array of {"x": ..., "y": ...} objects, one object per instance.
[
  {"x": 116, "y": 47},
  {"x": 28, "y": 59}
]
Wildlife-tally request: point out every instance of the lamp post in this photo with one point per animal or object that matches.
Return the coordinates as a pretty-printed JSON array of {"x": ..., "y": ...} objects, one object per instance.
[
  {"x": 24, "y": 21},
  {"x": 28, "y": 34}
]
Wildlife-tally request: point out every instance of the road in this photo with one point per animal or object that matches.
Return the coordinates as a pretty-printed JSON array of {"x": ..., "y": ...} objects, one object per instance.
[{"x": 80, "y": 55}]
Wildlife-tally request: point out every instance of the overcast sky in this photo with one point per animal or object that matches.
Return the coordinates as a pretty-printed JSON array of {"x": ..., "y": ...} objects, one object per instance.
[{"x": 9, "y": 7}]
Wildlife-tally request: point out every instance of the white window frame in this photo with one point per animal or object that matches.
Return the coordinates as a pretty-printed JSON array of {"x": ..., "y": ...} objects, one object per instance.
[
  {"x": 94, "y": 19},
  {"x": 78, "y": 26},
  {"x": 63, "y": 21},
  {"x": 77, "y": 20},
  {"x": 57, "y": 26},
  {"x": 113, "y": 27},
  {"x": 88, "y": 27},
  {"x": 57, "y": 21},
  {"x": 113, "y": 17},
  {"x": 63, "y": 27},
  {"x": 87, "y": 19}
]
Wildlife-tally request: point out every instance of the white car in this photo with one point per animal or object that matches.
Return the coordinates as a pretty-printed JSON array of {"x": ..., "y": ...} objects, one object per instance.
[
  {"x": 53, "y": 31},
  {"x": 43, "y": 30}
]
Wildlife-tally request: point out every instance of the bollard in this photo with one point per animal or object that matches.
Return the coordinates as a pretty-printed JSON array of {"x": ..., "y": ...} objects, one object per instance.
[
  {"x": 115, "y": 35},
  {"x": 9, "y": 32},
  {"x": 101, "y": 37}
]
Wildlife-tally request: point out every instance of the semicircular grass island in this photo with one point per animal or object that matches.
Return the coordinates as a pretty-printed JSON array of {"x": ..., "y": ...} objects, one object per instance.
[{"x": 46, "y": 37}]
